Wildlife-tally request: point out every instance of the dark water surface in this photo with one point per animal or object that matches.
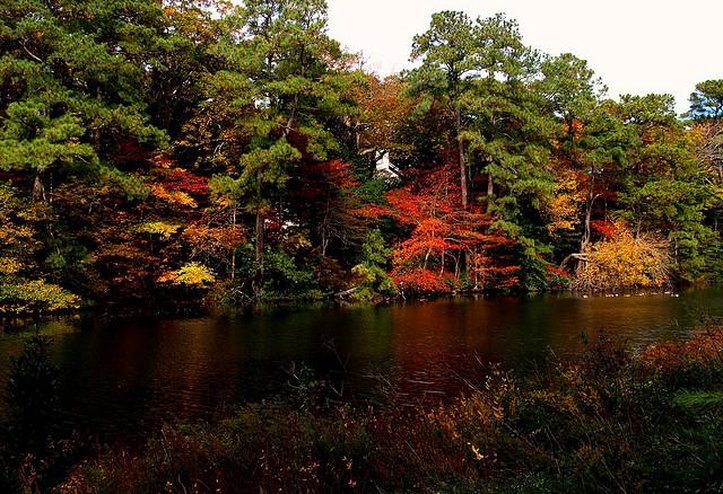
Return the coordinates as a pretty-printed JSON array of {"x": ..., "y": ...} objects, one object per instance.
[{"x": 124, "y": 377}]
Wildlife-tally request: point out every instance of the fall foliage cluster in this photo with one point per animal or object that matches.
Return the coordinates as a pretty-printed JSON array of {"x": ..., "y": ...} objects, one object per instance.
[{"x": 171, "y": 150}]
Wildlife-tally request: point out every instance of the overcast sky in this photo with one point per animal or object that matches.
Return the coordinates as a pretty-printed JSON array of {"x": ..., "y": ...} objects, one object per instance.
[{"x": 636, "y": 46}]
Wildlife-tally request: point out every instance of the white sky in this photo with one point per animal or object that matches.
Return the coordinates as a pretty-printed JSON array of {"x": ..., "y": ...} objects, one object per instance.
[{"x": 636, "y": 46}]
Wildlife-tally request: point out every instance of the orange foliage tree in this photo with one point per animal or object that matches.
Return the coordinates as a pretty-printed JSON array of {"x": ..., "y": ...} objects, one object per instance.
[{"x": 446, "y": 244}]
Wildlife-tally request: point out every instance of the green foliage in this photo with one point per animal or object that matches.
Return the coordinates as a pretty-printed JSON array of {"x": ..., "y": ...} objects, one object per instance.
[
  {"x": 21, "y": 292},
  {"x": 371, "y": 272},
  {"x": 699, "y": 401},
  {"x": 698, "y": 253},
  {"x": 133, "y": 188},
  {"x": 287, "y": 278},
  {"x": 569, "y": 86},
  {"x": 374, "y": 250},
  {"x": 707, "y": 100},
  {"x": 226, "y": 191},
  {"x": 75, "y": 83},
  {"x": 268, "y": 166},
  {"x": 448, "y": 49},
  {"x": 536, "y": 276}
]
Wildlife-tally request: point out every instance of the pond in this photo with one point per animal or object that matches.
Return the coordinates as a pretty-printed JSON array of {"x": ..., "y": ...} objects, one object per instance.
[{"x": 124, "y": 377}]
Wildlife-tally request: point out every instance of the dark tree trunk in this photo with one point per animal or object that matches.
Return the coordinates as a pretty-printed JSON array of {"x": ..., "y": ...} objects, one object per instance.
[
  {"x": 260, "y": 240},
  {"x": 460, "y": 151},
  {"x": 38, "y": 187}
]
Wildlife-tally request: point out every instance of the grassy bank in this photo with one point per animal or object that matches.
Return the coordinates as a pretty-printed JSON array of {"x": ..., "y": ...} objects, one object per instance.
[{"x": 615, "y": 421}]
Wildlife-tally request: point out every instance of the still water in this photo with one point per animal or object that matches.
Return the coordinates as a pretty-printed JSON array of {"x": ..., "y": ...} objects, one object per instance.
[{"x": 126, "y": 376}]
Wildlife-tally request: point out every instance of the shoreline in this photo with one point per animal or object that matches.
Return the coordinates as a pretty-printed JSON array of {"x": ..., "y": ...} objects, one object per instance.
[{"x": 116, "y": 312}]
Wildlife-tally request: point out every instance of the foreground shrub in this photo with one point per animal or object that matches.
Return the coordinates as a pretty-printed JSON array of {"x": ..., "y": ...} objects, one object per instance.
[{"x": 610, "y": 422}]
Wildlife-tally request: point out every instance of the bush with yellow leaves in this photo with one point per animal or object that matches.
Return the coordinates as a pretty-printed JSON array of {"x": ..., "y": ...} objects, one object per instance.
[
  {"x": 624, "y": 262},
  {"x": 191, "y": 274}
]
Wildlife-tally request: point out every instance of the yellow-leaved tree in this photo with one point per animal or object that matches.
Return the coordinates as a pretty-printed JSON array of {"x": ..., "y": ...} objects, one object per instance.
[
  {"x": 625, "y": 261},
  {"x": 191, "y": 274}
]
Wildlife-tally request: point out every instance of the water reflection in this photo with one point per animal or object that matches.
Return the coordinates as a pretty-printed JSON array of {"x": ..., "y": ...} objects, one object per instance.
[{"x": 126, "y": 376}]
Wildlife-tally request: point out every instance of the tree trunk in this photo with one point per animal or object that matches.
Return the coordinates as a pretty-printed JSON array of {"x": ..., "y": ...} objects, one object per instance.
[
  {"x": 38, "y": 187},
  {"x": 325, "y": 227},
  {"x": 462, "y": 165},
  {"x": 581, "y": 257},
  {"x": 292, "y": 116},
  {"x": 460, "y": 151},
  {"x": 260, "y": 240},
  {"x": 587, "y": 233},
  {"x": 233, "y": 254}
]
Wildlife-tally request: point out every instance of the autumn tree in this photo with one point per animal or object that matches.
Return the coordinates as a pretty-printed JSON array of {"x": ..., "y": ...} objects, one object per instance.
[
  {"x": 442, "y": 237},
  {"x": 707, "y": 111},
  {"x": 386, "y": 112},
  {"x": 508, "y": 142}
]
